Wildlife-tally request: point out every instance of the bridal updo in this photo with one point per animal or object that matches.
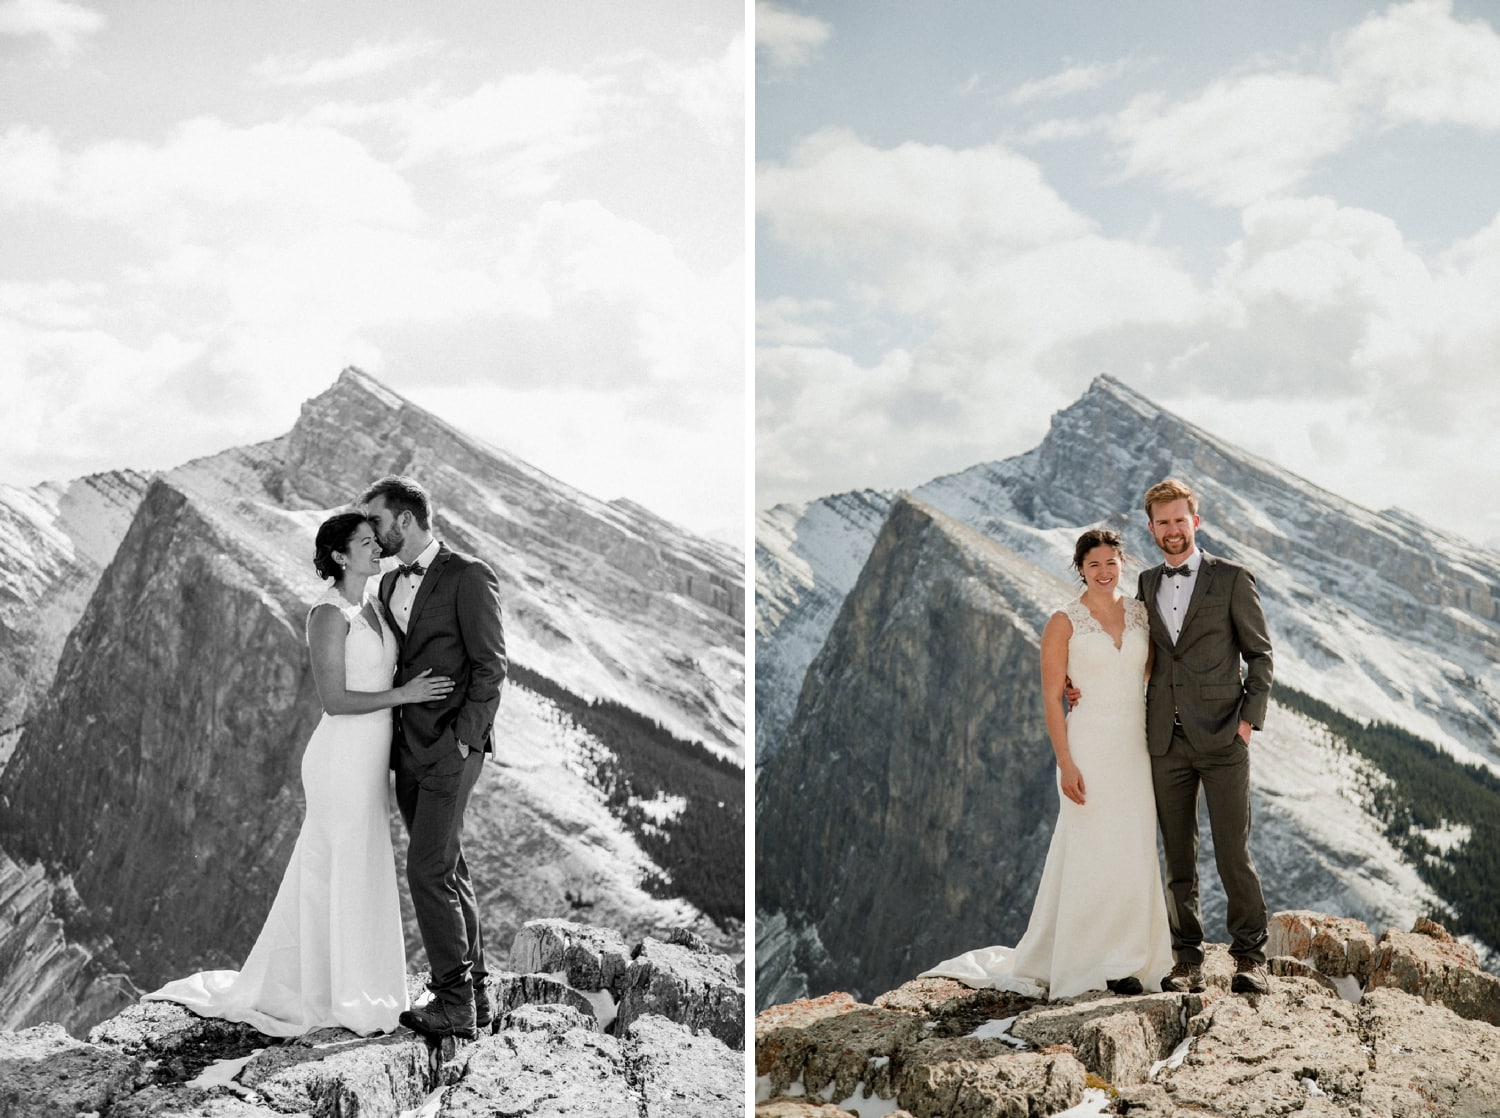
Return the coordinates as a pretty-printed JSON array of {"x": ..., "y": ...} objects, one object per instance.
[
  {"x": 333, "y": 535},
  {"x": 1094, "y": 537}
]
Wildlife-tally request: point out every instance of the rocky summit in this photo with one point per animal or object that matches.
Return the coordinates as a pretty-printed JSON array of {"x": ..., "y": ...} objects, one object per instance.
[
  {"x": 1403, "y": 1026},
  {"x": 597, "y": 1030}
]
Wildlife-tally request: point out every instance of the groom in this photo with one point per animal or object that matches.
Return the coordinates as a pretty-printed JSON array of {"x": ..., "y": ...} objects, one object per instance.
[
  {"x": 1200, "y": 712},
  {"x": 445, "y": 609}
]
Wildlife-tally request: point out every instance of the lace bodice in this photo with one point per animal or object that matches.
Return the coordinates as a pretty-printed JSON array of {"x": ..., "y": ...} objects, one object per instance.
[
  {"x": 369, "y": 650},
  {"x": 1112, "y": 679}
]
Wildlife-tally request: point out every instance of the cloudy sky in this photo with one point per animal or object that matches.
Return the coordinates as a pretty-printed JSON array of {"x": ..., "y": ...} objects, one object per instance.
[
  {"x": 527, "y": 217},
  {"x": 1280, "y": 220}
]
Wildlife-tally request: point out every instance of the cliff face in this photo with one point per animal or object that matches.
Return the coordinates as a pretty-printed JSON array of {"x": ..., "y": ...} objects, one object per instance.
[
  {"x": 161, "y": 771},
  {"x": 921, "y": 720}
]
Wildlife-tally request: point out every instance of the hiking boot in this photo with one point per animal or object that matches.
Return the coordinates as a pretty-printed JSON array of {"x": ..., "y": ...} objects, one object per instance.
[
  {"x": 1249, "y": 977},
  {"x": 1186, "y": 978},
  {"x": 438, "y": 1019}
]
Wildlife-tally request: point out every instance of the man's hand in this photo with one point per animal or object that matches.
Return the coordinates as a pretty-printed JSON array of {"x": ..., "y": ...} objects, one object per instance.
[
  {"x": 463, "y": 750},
  {"x": 1071, "y": 693},
  {"x": 1245, "y": 732}
]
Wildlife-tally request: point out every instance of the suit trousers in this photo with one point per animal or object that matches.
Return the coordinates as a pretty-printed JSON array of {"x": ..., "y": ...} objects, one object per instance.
[
  {"x": 1224, "y": 777},
  {"x": 432, "y": 798}
]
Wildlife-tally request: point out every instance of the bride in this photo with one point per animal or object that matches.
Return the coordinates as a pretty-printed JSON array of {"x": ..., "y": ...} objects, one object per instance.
[
  {"x": 1099, "y": 920},
  {"x": 331, "y": 951}
]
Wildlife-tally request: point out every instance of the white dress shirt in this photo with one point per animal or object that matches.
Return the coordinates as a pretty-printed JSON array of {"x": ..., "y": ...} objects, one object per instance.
[
  {"x": 1175, "y": 592},
  {"x": 405, "y": 590}
]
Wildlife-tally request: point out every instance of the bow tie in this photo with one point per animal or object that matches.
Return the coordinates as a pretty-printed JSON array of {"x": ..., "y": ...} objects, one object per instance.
[
  {"x": 1183, "y": 570},
  {"x": 411, "y": 569}
]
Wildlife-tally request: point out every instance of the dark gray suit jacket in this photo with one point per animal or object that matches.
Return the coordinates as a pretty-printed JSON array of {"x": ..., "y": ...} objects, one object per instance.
[
  {"x": 1198, "y": 679},
  {"x": 455, "y": 630}
]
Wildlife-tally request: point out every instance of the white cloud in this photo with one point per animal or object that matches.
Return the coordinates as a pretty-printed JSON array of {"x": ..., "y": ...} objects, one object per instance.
[
  {"x": 30, "y": 166},
  {"x": 1239, "y": 140},
  {"x": 62, "y": 23},
  {"x": 1418, "y": 64},
  {"x": 364, "y": 60},
  {"x": 710, "y": 90},
  {"x": 788, "y": 39},
  {"x": 840, "y": 196},
  {"x": 1065, "y": 83}
]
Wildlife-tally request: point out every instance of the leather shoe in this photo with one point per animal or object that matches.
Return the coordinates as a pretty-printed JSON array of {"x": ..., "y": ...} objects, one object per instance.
[
  {"x": 1127, "y": 986},
  {"x": 483, "y": 1013},
  {"x": 1186, "y": 978},
  {"x": 1249, "y": 977},
  {"x": 436, "y": 1018}
]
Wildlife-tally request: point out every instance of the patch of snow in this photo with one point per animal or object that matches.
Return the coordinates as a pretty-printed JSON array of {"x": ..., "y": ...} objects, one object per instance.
[
  {"x": 1310, "y": 1085},
  {"x": 1348, "y": 987},
  {"x": 999, "y": 1029},
  {"x": 1446, "y": 837},
  {"x": 1095, "y": 1102},
  {"x": 1174, "y": 1060},
  {"x": 867, "y": 1106},
  {"x": 223, "y": 1073},
  {"x": 662, "y": 808},
  {"x": 430, "y": 1106}
]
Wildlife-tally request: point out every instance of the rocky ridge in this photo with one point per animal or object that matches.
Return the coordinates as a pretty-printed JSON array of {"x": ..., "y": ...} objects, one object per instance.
[
  {"x": 558, "y": 1047},
  {"x": 1406, "y": 1025}
]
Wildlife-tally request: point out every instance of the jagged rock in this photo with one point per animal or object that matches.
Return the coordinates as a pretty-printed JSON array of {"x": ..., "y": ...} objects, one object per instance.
[
  {"x": 1299, "y": 1049},
  {"x": 1116, "y": 1038},
  {"x": 1334, "y": 945},
  {"x": 547, "y": 1018},
  {"x": 967, "y": 1077},
  {"x": 841, "y": 1051},
  {"x": 689, "y": 987},
  {"x": 165, "y": 1029},
  {"x": 1284, "y": 966},
  {"x": 345, "y": 1074},
  {"x": 1429, "y": 962},
  {"x": 679, "y": 1074},
  {"x": 43, "y": 977},
  {"x": 514, "y": 990},
  {"x": 45, "y": 1073},
  {"x": 799, "y": 1108},
  {"x": 548, "y": 1071},
  {"x": 188, "y": 1102},
  {"x": 589, "y": 958}
]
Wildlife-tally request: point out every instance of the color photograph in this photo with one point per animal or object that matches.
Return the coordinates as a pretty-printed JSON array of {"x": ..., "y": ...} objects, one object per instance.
[{"x": 1127, "y": 712}]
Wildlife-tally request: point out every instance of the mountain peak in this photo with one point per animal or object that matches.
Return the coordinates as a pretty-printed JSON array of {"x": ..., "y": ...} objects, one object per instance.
[
  {"x": 354, "y": 383},
  {"x": 1106, "y": 390}
]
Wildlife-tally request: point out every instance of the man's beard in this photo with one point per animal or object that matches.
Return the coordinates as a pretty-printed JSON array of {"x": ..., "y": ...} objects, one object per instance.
[
  {"x": 392, "y": 543},
  {"x": 1176, "y": 545}
]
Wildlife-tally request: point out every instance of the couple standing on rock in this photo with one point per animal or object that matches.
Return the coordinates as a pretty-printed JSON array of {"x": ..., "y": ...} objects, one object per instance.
[
  {"x": 1100, "y": 919},
  {"x": 410, "y": 680}
]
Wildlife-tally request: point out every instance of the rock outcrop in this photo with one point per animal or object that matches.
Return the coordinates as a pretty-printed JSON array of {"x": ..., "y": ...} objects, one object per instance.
[
  {"x": 934, "y": 1047},
  {"x": 539, "y": 1058}
]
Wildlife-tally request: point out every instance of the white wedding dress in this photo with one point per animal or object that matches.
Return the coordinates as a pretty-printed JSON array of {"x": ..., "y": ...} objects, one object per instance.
[
  {"x": 1100, "y": 912},
  {"x": 331, "y": 951}
]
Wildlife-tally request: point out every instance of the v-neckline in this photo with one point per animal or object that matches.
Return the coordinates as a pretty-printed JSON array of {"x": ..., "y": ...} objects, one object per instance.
[{"x": 1124, "y": 623}]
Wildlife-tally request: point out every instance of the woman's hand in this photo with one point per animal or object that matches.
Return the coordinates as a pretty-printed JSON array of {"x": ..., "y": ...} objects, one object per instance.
[
  {"x": 424, "y": 687},
  {"x": 1072, "y": 782}
]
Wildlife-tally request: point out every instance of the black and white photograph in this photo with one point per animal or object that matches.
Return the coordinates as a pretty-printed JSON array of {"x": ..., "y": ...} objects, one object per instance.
[{"x": 372, "y": 505}]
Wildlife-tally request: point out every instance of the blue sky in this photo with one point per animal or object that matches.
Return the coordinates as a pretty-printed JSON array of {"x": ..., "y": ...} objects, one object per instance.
[
  {"x": 1278, "y": 219},
  {"x": 527, "y": 217}
]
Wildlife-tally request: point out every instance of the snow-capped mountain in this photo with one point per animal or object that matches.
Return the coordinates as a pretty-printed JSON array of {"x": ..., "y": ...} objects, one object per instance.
[
  {"x": 903, "y": 807},
  {"x": 158, "y": 774}
]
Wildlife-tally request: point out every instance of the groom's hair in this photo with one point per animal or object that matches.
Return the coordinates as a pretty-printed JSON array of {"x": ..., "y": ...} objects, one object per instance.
[
  {"x": 1171, "y": 490},
  {"x": 402, "y": 493}
]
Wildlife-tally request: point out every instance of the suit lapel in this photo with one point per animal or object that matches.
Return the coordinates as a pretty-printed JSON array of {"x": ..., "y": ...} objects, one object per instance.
[
  {"x": 434, "y": 573},
  {"x": 1200, "y": 587}
]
